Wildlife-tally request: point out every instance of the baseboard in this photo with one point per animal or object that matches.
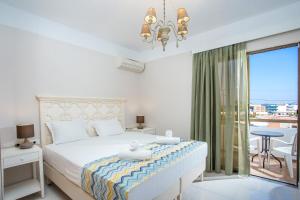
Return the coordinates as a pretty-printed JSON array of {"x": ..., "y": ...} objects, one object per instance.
[{"x": 221, "y": 177}]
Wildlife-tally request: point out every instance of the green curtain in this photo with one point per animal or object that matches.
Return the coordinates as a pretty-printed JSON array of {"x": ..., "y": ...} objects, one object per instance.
[{"x": 220, "y": 107}]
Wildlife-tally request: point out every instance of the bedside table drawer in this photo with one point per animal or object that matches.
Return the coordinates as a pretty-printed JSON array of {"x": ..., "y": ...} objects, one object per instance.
[{"x": 21, "y": 159}]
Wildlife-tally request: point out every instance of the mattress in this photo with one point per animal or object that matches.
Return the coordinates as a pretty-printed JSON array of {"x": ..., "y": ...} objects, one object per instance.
[{"x": 70, "y": 158}]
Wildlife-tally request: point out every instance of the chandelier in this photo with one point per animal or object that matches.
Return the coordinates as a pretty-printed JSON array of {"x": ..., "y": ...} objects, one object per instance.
[{"x": 158, "y": 30}]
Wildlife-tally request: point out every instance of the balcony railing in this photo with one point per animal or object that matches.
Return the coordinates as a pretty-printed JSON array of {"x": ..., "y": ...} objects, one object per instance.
[{"x": 289, "y": 121}]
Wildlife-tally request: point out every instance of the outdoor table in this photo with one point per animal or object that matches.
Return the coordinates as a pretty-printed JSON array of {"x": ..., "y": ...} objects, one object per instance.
[{"x": 266, "y": 137}]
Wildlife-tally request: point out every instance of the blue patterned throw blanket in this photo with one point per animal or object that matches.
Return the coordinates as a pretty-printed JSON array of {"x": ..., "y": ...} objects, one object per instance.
[{"x": 111, "y": 178}]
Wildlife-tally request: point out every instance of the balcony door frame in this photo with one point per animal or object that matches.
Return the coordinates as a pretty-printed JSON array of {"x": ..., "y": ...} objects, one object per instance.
[{"x": 297, "y": 44}]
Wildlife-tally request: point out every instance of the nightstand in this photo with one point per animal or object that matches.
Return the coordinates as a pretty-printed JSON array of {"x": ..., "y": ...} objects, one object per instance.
[
  {"x": 12, "y": 157},
  {"x": 146, "y": 130}
]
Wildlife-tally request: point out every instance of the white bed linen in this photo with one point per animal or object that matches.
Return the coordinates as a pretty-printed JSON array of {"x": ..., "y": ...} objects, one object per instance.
[{"x": 70, "y": 158}]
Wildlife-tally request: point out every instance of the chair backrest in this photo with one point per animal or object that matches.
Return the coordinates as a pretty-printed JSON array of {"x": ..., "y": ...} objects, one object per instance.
[{"x": 294, "y": 148}]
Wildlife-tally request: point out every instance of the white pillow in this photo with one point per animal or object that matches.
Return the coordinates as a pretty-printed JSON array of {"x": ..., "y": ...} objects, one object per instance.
[
  {"x": 67, "y": 131},
  {"x": 108, "y": 127}
]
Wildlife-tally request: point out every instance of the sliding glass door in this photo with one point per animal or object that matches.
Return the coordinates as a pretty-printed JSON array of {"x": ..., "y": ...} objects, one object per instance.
[{"x": 273, "y": 110}]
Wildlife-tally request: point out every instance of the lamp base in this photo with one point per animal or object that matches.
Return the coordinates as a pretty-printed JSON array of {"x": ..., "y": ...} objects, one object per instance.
[
  {"x": 26, "y": 144},
  {"x": 140, "y": 126}
]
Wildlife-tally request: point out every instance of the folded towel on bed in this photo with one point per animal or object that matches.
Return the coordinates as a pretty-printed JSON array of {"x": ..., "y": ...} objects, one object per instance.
[
  {"x": 169, "y": 133},
  {"x": 167, "y": 140},
  {"x": 135, "y": 145},
  {"x": 140, "y": 154}
]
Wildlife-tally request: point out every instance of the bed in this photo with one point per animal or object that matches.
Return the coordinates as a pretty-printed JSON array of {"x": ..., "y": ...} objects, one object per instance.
[{"x": 64, "y": 163}]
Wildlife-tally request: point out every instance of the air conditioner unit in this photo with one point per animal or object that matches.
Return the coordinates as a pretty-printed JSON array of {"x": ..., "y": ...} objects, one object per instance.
[{"x": 131, "y": 65}]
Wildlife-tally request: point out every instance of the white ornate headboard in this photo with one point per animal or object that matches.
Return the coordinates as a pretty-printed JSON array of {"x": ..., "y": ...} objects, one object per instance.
[{"x": 69, "y": 108}]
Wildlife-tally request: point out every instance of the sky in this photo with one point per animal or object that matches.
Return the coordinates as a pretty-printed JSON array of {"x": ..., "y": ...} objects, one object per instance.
[{"x": 273, "y": 76}]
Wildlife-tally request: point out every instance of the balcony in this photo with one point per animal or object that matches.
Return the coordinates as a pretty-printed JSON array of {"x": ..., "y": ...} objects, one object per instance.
[{"x": 273, "y": 171}]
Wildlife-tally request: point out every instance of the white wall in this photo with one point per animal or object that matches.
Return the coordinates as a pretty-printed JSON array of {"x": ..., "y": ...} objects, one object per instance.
[
  {"x": 33, "y": 65},
  {"x": 7, "y": 90},
  {"x": 166, "y": 94}
]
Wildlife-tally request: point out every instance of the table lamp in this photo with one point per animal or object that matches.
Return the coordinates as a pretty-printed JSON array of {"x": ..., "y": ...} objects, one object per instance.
[
  {"x": 25, "y": 131},
  {"x": 140, "y": 120}
]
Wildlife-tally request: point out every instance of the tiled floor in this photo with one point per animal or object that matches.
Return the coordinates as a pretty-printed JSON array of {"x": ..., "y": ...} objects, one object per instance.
[
  {"x": 241, "y": 189},
  {"x": 229, "y": 189},
  {"x": 52, "y": 193}
]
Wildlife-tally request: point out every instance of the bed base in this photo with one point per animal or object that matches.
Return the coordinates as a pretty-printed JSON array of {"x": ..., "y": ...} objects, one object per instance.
[
  {"x": 76, "y": 193},
  {"x": 68, "y": 187},
  {"x": 189, "y": 178}
]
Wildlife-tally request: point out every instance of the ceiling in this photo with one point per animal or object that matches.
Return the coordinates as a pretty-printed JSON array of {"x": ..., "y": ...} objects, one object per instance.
[{"x": 119, "y": 21}]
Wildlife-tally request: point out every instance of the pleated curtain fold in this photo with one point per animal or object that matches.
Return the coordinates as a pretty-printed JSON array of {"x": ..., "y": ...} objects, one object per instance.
[{"x": 220, "y": 107}]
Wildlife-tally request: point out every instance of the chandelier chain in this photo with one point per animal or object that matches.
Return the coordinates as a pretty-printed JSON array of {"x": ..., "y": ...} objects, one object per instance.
[{"x": 164, "y": 12}]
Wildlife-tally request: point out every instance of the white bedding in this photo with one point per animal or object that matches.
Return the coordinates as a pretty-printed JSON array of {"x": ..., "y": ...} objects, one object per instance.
[{"x": 70, "y": 158}]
